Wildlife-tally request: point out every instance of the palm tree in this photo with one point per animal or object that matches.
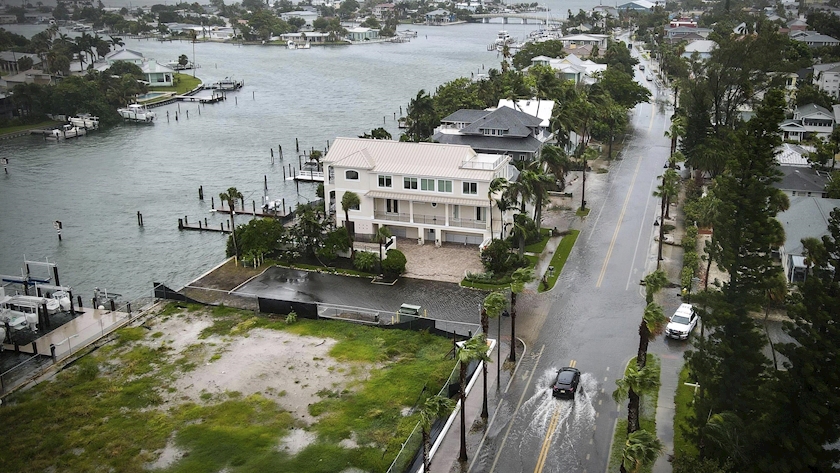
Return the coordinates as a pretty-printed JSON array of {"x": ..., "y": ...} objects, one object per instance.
[
  {"x": 675, "y": 131},
  {"x": 231, "y": 196},
  {"x": 503, "y": 204},
  {"x": 652, "y": 325},
  {"x": 664, "y": 191},
  {"x": 557, "y": 162},
  {"x": 116, "y": 42},
  {"x": 435, "y": 407},
  {"x": 636, "y": 381},
  {"x": 536, "y": 180},
  {"x": 474, "y": 349},
  {"x": 654, "y": 282},
  {"x": 497, "y": 185},
  {"x": 641, "y": 449},
  {"x": 350, "y": 200},
  {"x": 382, "y": 235},
  {"x": 494, "y": 304},
  {"x": 519, "y": 278}
]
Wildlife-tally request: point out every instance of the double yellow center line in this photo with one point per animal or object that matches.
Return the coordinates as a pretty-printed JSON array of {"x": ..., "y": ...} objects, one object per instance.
[{"x": 552, "y": 426}]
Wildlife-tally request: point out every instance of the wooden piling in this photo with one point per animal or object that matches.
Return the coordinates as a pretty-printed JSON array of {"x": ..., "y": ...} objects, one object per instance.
[
  {"x": 265, "y": 181},
  {"x": 236, "y": 101},
  {"x": 242, "y": 202},
  {"x": 139, "y": 219},
  {"x": 272, "y": 154},
  {"x": 205, "y": 221},
  {"x": 200, "y": 192},
  {"x": 252, "y": 96},
  {"x": 199, "y": 224},
  {"x": 280, "y": 150},
  {"x": 212, "y": 203},
  {"x": 297, "y": 146},
  {"x": 186, "y": 222},
  {"x": 180, "y": 227},
  {"x": 188, "y": 114},
  {"x": 284, "y": 202},
  {"x": 254, "y": 206},
  {"x": 284, "y": 173}
]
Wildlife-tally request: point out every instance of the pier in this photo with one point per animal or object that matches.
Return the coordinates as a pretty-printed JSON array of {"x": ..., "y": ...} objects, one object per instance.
[
  {"x": 183, "y": 224},
  {"x": 307, "y": 176},
  {"x": 216, "y": 97}
]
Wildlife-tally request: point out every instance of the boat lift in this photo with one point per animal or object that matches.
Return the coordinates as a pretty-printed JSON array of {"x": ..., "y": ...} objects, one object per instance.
[{"x": 26, "y": 279}]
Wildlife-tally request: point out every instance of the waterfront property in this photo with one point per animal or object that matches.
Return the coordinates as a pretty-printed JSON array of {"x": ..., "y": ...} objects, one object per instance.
[
  {"x": 157, "y": 75},
  {"x": 427, "y": 191},
  {"x": 572, "y": 68}
]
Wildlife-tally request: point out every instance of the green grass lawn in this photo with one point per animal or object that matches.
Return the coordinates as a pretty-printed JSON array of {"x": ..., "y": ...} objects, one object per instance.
[
  {"x": 582, "y": 213},
  {"x": 14, "y": 129},
  {"x": 106, "y": 412},
  {"x": 185, "y": 83},
  {"x": 539, "y": 246},
  {"x": 561, "y": 254},
  {"x": 647, "y": 418}
]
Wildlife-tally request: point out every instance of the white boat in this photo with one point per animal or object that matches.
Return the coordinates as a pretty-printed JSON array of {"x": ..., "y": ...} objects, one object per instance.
[
  {"x": 63, "y": 299},
  {"x": 502, "y": 39},
  {"x": 229, "y": 84},
  {"x": 53, "y": 305},
  {"x": 137, "y": 113},
  {"x": 85, "y": 120},
  {"x": 66, "y": 132},
  {"x": 19, "y": 312}
]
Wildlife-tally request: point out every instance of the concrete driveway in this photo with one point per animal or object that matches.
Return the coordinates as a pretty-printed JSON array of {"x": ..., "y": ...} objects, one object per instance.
[{"x": 447, "y": 263}]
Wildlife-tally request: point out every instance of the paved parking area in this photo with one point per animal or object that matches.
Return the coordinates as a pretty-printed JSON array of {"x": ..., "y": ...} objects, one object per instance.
[{"x": 447, "y": 263}]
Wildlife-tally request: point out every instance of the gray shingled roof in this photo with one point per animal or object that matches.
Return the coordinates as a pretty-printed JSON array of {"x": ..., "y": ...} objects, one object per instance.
[
  {"x": 806, "y": 217},
  {"x": 465, "y": 115},
  {"x": 801, "y": 179},
  {"x": 491, "y": 144},
  {"x": 514, "y": 122}
]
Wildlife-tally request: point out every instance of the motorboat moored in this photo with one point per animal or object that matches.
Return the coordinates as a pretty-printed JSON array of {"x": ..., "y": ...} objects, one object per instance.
[
  {"x": 85, "y": 120},
  {"x": 66, "y": 132},
  {"x": 137, "y": 113}
]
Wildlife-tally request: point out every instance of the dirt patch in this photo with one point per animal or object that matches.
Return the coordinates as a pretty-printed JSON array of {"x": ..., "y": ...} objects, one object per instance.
[
  {"x": 448, "y": 263},
  {"x": 293, "y": 370}
]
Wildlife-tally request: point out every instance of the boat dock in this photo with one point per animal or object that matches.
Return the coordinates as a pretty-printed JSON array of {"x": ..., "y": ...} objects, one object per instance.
[
  {"x": 183, "y": 224},
  {"x": 306, "y": 175},
  {"x": 216, "y": 97}
]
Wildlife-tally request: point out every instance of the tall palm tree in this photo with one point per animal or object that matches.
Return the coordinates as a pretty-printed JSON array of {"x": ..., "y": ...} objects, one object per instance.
[
  {"x": 641, "y": 449},
  {"x": 557, "y": 162},
  {"x": 116, "y": 42},
  {"x": 654, "y": 282},
  {"x": 635, "y": 382},
  {"x": 382, "y": 235},
  {"x": 350, "y": 200},
  {"x": 231, "y": 196},
  {"x": 535, "y": 178},
  {"x": 665, "y": 191},
  {"x": 435, "y": 407},
  {"x": 519, "y": 278},
  {"x": 492, "y": 308},
  {"x": 503, "y": 204},
  {"x": 497, "y": 185},
  {"x": 474, "y": 349},
  {"x": 652, "y": 325},
  {"x": 676, "y": 130}
]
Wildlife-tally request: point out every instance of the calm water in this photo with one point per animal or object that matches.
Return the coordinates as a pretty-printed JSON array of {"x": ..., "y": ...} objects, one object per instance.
[{"x": 96, "y": 184}]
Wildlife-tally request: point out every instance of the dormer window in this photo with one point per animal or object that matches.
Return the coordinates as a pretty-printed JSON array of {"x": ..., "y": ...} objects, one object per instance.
[
  {"x": 351, "y": 175},
  {"x": 492, "y": 132}
]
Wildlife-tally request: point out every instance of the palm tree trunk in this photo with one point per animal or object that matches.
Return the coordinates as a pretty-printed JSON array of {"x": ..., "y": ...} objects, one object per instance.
[
  {"x": 583, "y": 187},
  {"x": 661, "y": 232},
  {"x": 644, "y": 341},
  {"x": 233, "y": 232},
  {"x": 484, "y": 411},
  {"x": 463, "y": 396},
  {"x": 632, "y": 412},
  {"x": 512, "y": 326}
]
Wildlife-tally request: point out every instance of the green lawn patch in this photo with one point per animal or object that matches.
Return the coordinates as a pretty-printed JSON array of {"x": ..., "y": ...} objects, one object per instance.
[
  {"x": 582, "y": 212},
  {"x": 684, "y": 415},
  {"x": 647, "y": 418},
  {"x": 117, "y": 407},
  {"x": 483, "y": 286},
  {"x": 561, "y": 254},
  {"x": 184, "y": 84},
  {"x": 539, "y": 246},
  {"x": 40, "y": 125}
]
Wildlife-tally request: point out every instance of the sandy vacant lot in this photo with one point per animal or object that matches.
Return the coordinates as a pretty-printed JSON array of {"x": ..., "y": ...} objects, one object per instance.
[{"x": 285, "y": 367}]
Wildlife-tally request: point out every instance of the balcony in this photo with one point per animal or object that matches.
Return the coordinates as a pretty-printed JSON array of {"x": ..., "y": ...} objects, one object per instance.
[{"x": 431, "y": 220}]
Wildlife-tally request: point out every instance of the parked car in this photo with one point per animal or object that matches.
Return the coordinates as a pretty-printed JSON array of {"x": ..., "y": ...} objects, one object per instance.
[
  {"x": 641, "y": 67},
  {"x": 682, "y": 322},
  {"x": 566, "y": 383},
  {"x": 649, "y": 76}
]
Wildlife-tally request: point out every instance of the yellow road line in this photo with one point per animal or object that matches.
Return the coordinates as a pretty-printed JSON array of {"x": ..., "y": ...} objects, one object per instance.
[
  {"x": 552, "y": 426},
  {"x": 618, "y": 224}
]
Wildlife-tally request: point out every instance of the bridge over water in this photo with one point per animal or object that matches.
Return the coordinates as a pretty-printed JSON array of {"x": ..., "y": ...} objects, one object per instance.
[{"x": 538, "y": 18}]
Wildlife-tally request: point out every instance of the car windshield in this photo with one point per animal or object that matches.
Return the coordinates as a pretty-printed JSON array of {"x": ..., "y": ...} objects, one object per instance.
[
  {"x": 679, "y": 319},
  {"x": 565, "y": 377}
]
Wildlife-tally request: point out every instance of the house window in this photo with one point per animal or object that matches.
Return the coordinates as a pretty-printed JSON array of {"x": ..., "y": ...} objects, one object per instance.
[
  {"x": 384, "y": 181},
  {"x": 351, "y": 175},
  {"x": 427, "y": 184},
  {"x": 392, "y": 206},
  {"x": 410, "y": 183},
  {"x": 471, "y": 188},
  {"x": 479, "y": 215},
  {"x": 456, "y": 211},
  {"x": 444, "y": 186}
]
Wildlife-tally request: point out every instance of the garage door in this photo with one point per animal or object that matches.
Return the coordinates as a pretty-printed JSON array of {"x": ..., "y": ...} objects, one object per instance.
[
  {"x": 463, "y": 238},
  {"x": 398, "y": 231}
]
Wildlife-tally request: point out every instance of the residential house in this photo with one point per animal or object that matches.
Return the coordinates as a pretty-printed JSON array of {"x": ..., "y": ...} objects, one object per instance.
[
  {"x": 439, "y": 17},
  {"x": 703, "y": 48},
  {"x": 157, "y": 75},
  {"x": 637, "y": 5},
  {"x": 572, "y": 68},
  {"x": 424, "y": 191},
  {"x": 683, "y": 22},
  {"x": 606, "y": 11},
  {"x": 790, "y": 155},
  {"x": 32, "y": 76},
  {"x": 598, "y": 40},
  {"x": 826, "y": 77},
  {"x": 9, "y": 61},
  {"x": 361, "y": 33},
  {"x": 802, "y": 181},
  {"x": 689, "y": 34},
  {"x": 313, "y": 37},
  {"x": 383, "y": 10},
  {"x": 499, "y": 131},
  {"x": 7, "y": 106},
  {"x": 8, "y": 19},
  {"x": 813, "y": 39},
  {"x": 798, "y": 24},
  {"x": 807, "y": 217},
  {"x": 815, "y": 120}
]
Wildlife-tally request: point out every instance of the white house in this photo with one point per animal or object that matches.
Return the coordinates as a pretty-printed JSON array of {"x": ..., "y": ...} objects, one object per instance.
[
  {"x": 807, "y": 217},
  {"x": 815, "y": 120},
  {"x": 599, "y": 40},
  {"x": 157, "y": 75},
  {"x": 827, "y": 78},
  {"x": 572, "y": 68},
  {"x": 425, "y": 191},
  {"x": 813, "y": 39},
  {"x": 703, "y": 48}
]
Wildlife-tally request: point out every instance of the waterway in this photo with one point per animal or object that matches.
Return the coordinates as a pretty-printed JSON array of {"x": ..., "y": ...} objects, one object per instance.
[{"x": 96, "y": 184}]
